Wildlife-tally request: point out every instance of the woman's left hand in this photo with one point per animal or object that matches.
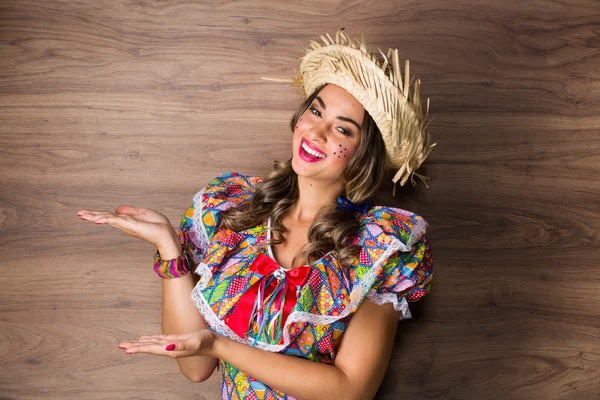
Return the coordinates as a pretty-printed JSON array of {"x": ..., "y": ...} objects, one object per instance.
[{"x": 198, "y": 343}]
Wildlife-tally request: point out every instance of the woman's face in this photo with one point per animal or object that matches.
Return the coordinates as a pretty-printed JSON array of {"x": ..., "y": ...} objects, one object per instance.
[{"x": 330, "y": 128}]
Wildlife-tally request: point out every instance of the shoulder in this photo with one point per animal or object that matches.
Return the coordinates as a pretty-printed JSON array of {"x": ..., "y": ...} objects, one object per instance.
[
  {"x": 222, "y": 192},
  {"x": 383, "y": 226},
  {"x": 201, "y": 219},
  {"x": 394, "y": 264},
  {"x": 233, "y": 186}
]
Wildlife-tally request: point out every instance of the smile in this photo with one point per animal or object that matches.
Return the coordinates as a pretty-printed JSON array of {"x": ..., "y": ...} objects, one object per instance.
[{"x": 309, "y": 154}]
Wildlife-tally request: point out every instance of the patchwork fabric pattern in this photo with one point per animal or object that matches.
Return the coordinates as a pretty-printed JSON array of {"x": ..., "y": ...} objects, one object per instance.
[{"x": 394, "y": 266}]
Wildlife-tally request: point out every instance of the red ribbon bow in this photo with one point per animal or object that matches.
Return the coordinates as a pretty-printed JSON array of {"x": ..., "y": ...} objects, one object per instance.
[{"x": 239, "y": 318}]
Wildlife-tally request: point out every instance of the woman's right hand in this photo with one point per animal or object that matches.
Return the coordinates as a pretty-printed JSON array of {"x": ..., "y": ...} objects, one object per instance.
[{"x": 143, "y": 223}]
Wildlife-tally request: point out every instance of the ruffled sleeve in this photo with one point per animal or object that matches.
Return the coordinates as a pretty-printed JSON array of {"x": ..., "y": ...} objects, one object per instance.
[
  {"x": 404, "y": 271},
  {"x": 200, "y": 221}
]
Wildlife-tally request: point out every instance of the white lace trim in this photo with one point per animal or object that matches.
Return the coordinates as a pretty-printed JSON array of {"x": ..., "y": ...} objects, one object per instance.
[
  {"x": 416, "y": 232},
  {"x": 356, "y": 297},
  {"x": 205, "y": 274},
  {"x": 383, "y": 298},
  {"x": 198, "y": 232}
]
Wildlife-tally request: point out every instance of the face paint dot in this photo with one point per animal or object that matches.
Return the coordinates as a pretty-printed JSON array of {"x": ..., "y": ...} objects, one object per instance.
[
  {"x": 334, "y": 152},
  {"x": 340, "y": 145},
  {"x": 338, "y": 156}
]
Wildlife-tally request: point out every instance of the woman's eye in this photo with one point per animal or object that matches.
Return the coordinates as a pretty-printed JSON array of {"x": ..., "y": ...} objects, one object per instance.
[{"x": 343, "y": 131}]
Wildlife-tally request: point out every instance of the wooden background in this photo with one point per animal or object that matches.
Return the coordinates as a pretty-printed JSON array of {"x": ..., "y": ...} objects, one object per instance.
[{"x": 104, "y": 103}]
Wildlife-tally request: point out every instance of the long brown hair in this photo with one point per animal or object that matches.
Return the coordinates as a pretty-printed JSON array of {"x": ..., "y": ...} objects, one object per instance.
[{"x": 332, "y": 229}]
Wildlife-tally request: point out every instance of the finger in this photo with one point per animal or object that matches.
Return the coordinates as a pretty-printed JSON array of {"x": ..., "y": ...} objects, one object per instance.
[
  {"x": 153, "y": 336},
  {"x": 178, "y": 336},
  {"x": 152, "y": 341},
  {"x": 147, "y": 348},
  {"x": 123, "y": 222},
  {"x": 125, "y": 209},
  {"x": 155, "y": 339},
  {"x": 146, "y": 341},
  {"x": 94, "y": 215},
  {"x": 173, "y": 336},
  {"x": 99, "y": 218},
  {"x": 135, "y": 343},
  {"x": 94, "y": 212},
  {"x": 191, "y": 344},
  {"x": 179, "y": 346},
  {"x": 147, "y": 337},
  {"x": 164, "y": 349},
  {"x": 125, "y": 344},
  {"x": 155, "y": 347}
]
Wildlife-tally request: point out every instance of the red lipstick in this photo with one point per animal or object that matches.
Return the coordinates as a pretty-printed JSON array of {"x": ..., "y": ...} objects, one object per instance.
[{"x": 306, "y": 156}]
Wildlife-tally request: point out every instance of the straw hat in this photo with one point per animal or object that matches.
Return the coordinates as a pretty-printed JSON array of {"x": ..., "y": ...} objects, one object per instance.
[{"x": 376, "y": 82}]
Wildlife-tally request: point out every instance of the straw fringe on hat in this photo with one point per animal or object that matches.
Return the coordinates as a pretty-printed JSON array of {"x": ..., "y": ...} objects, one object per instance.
[{"x": 377, "y": 84}]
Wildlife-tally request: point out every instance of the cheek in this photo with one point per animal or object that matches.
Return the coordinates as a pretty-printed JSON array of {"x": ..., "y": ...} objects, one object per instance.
[
  {"x": 301, "y": 124},
  {"x": 343, "y": 152}
]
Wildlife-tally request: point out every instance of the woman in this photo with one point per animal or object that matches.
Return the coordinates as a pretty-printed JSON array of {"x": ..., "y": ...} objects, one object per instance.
[{"x": 312, "y": 312}]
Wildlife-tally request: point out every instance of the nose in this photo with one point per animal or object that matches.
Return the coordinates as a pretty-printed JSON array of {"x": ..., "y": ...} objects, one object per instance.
[{"x": 319, "y": 132}]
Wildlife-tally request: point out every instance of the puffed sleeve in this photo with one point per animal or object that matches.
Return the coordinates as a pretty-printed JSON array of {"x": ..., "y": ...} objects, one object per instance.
[
  {"x": 200, "y": 221},
  {"x": 197, "y": 247},
  {"x": 406, "y": 274}
]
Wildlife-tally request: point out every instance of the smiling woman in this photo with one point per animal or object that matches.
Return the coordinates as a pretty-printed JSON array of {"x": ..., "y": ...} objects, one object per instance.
[
  {"x": 326, "y": 132},
  {"x": 299, "y": 273},
  {"x": 305, "y": 191}
]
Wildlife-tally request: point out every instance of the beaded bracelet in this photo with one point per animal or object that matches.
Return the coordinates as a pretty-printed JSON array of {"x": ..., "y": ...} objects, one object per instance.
[{"x": 175, "y": 268}]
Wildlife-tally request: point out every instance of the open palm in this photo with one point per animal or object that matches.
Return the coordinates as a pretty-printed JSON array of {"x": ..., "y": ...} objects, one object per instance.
[
  {"x": 198, "y": 343},
  {"x": 143, "y": 223}
]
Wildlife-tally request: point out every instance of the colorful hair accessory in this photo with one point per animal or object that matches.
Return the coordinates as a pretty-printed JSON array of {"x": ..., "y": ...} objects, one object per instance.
[
  {"x": 346, "y": 204},
  {"x": 175, "y": 268}
]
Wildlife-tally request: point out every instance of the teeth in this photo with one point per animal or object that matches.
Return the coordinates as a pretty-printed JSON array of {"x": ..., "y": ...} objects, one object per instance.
[{"x": 311, "y": 151}]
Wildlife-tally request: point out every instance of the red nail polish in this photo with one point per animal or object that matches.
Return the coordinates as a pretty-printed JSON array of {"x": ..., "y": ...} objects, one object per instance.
[
  {"x": 97, "y": 222},
  {"x": 121, "y": 347},
  {"x": 170, "y": 347}
]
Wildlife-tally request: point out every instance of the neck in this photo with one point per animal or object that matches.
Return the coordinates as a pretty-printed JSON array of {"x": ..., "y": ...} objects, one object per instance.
[{"x": 312, "y": 195}]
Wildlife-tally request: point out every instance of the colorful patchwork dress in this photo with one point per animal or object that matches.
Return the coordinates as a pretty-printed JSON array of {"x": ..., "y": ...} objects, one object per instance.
[{"x": 243, "y": 294}]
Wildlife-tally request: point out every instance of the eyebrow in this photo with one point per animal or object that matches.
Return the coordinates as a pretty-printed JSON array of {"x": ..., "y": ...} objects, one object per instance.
[{"x": 339, "y": 116}]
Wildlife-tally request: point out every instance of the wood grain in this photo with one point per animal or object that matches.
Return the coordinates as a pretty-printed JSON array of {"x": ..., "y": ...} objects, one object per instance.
[{"x": 143, "y": 102}]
